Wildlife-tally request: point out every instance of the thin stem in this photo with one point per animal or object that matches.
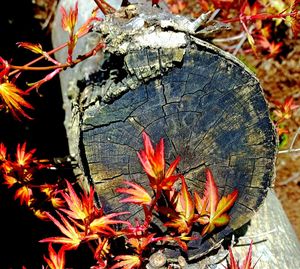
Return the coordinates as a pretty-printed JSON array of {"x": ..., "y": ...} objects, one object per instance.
[
  {"x": 291, "y": 147},
  {"x": 294, "y": 177},
  {"x": 243, "y": 40},
  {"x": 148, "y": 212},
  {"x": 103, "y": 6},
  {"x": 43, "y": 57},
  {"x": 59, "y": 66},
  {"x": 229, "y": 39},
  {"x": 39, "y": 68},
  {"x": 39, "y": 58},
  {"x": 294, "y": 138},
  {"x": 263, "y": 234},
  {"x": 289, "y": 151}
]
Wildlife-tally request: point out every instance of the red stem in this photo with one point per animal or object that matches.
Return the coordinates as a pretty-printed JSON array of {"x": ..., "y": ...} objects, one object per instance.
[
  {"x": 41, "y": 58},
  {"x": 27, "y": 67}
]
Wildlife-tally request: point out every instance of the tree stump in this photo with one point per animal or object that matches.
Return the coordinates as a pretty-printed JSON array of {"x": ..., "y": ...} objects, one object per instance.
[{"x": 158, "y": 75}]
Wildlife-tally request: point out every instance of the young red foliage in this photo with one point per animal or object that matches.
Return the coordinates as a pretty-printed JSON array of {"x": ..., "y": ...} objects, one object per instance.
[
  {"x": 68, "y": 22},
  {"x": 24, "y": 194},
  {"x": 153, "y": 162},
  {"x": 138, "y": 194},
  {"x": 80, "y": 208},
  {"x": 23, "y": 158},
  {"x": 182, "y": 215},
  {"x": 73, "y": 237},
  {"x": 216, "y": 210},
  {"x": 13, "y": 100},
  {"x": 247, "y": 263},
  {"x": 127, "y": 262},
  {"x": 284, "y": 110},
  {"x": 55, "y": 260}
]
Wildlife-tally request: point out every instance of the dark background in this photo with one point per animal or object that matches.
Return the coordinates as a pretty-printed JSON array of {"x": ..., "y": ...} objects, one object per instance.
[{"x": 20, "y": 230}]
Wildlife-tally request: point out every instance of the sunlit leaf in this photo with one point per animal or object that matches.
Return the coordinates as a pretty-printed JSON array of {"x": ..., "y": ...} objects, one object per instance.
[
  {"x": 138, "y": 194},
  {"x": 127, "y": 262},
  {"x": 24, "y": 158},
  {"x": 69, "y": 19},
  {"x": 72, "y": 237},
  {"x": 55, "y": 260},
  {"x": 247, "y": 263},
  {"x": 79, "y": 207},
  {"x": 284, "y": 110},
  {"x": 36, "y": 48},
  {"x": 24, "y": 194},
  {"x": 182, "y": 216},
  {"x": 140, "y": 243},
  {"x": 13, "y": 100},
  {"x": 3, "y": 151},
  {"x": 153, "y": 163},
  {"x": 102, "y": 224},
  {"x": 211, "y": 192},
  {"x": 9, "y": 180}
]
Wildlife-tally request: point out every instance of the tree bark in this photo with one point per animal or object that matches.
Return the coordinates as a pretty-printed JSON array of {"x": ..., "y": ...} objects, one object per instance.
[{"x": 93, "y": 94}]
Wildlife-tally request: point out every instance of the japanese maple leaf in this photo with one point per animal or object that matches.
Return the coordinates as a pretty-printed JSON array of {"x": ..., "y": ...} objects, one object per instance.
[
  {"x": 3, "y": 151},
  {"x": 24, "y": 194},
  {"x": 24, "y": 158},
  {"x": 153, "y": 163},
  {"x": 102, "y": 224},
  {"x": 72, "y": 238},
  {"x": 216, "y": 209},
  {"x": 138, "y": 194},
  {"x": 182, "y": 217},
  {"x": 140, "y": 243},
  {"x": 55, "y": 260},
  {"x": 102, "y": 250},
  {"x": 80, "y": 208},
  {"x": 247, "y": 263},
  {"x": 127, "y": 262},
  {"x": 13, "y": 100},
  {"x": 9, "y": 181},
  {"x": 69, "y": 19},
  {"x": 285, "y": 109}
]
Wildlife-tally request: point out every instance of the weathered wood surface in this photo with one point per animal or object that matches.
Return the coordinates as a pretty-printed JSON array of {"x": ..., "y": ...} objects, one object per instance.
[{"x": 205, "y": 103}]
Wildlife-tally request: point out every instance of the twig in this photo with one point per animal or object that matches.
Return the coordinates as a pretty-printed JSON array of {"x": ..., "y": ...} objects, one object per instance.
[
  {"x": 291, "y": 148},
  {"x": 257, "y": 235},
  {"x": 229, "y": 39},
  {"x": 215, "y": 13},
  {"x": 242, "y": 41},
  {"x": 290, "y": 179}
]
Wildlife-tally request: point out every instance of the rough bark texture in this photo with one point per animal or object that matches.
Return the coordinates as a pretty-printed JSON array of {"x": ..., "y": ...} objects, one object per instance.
[{"x": 157, "y": 75}]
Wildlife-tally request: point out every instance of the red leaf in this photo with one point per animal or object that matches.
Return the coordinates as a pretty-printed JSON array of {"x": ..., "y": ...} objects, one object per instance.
[
  {"x": 153, "y": 163},
  {"x": 13, "y": 100},
  {"x": 55, "y": 260},
  {"x": 211, "y": 192},
  {"x": 247, "y": 263},
  {"x": 212, "y": 211},
  {"x": 138, "y": 194},
  {"x": 182, "y": 216},
  {"x": 127, "y": 262}
]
